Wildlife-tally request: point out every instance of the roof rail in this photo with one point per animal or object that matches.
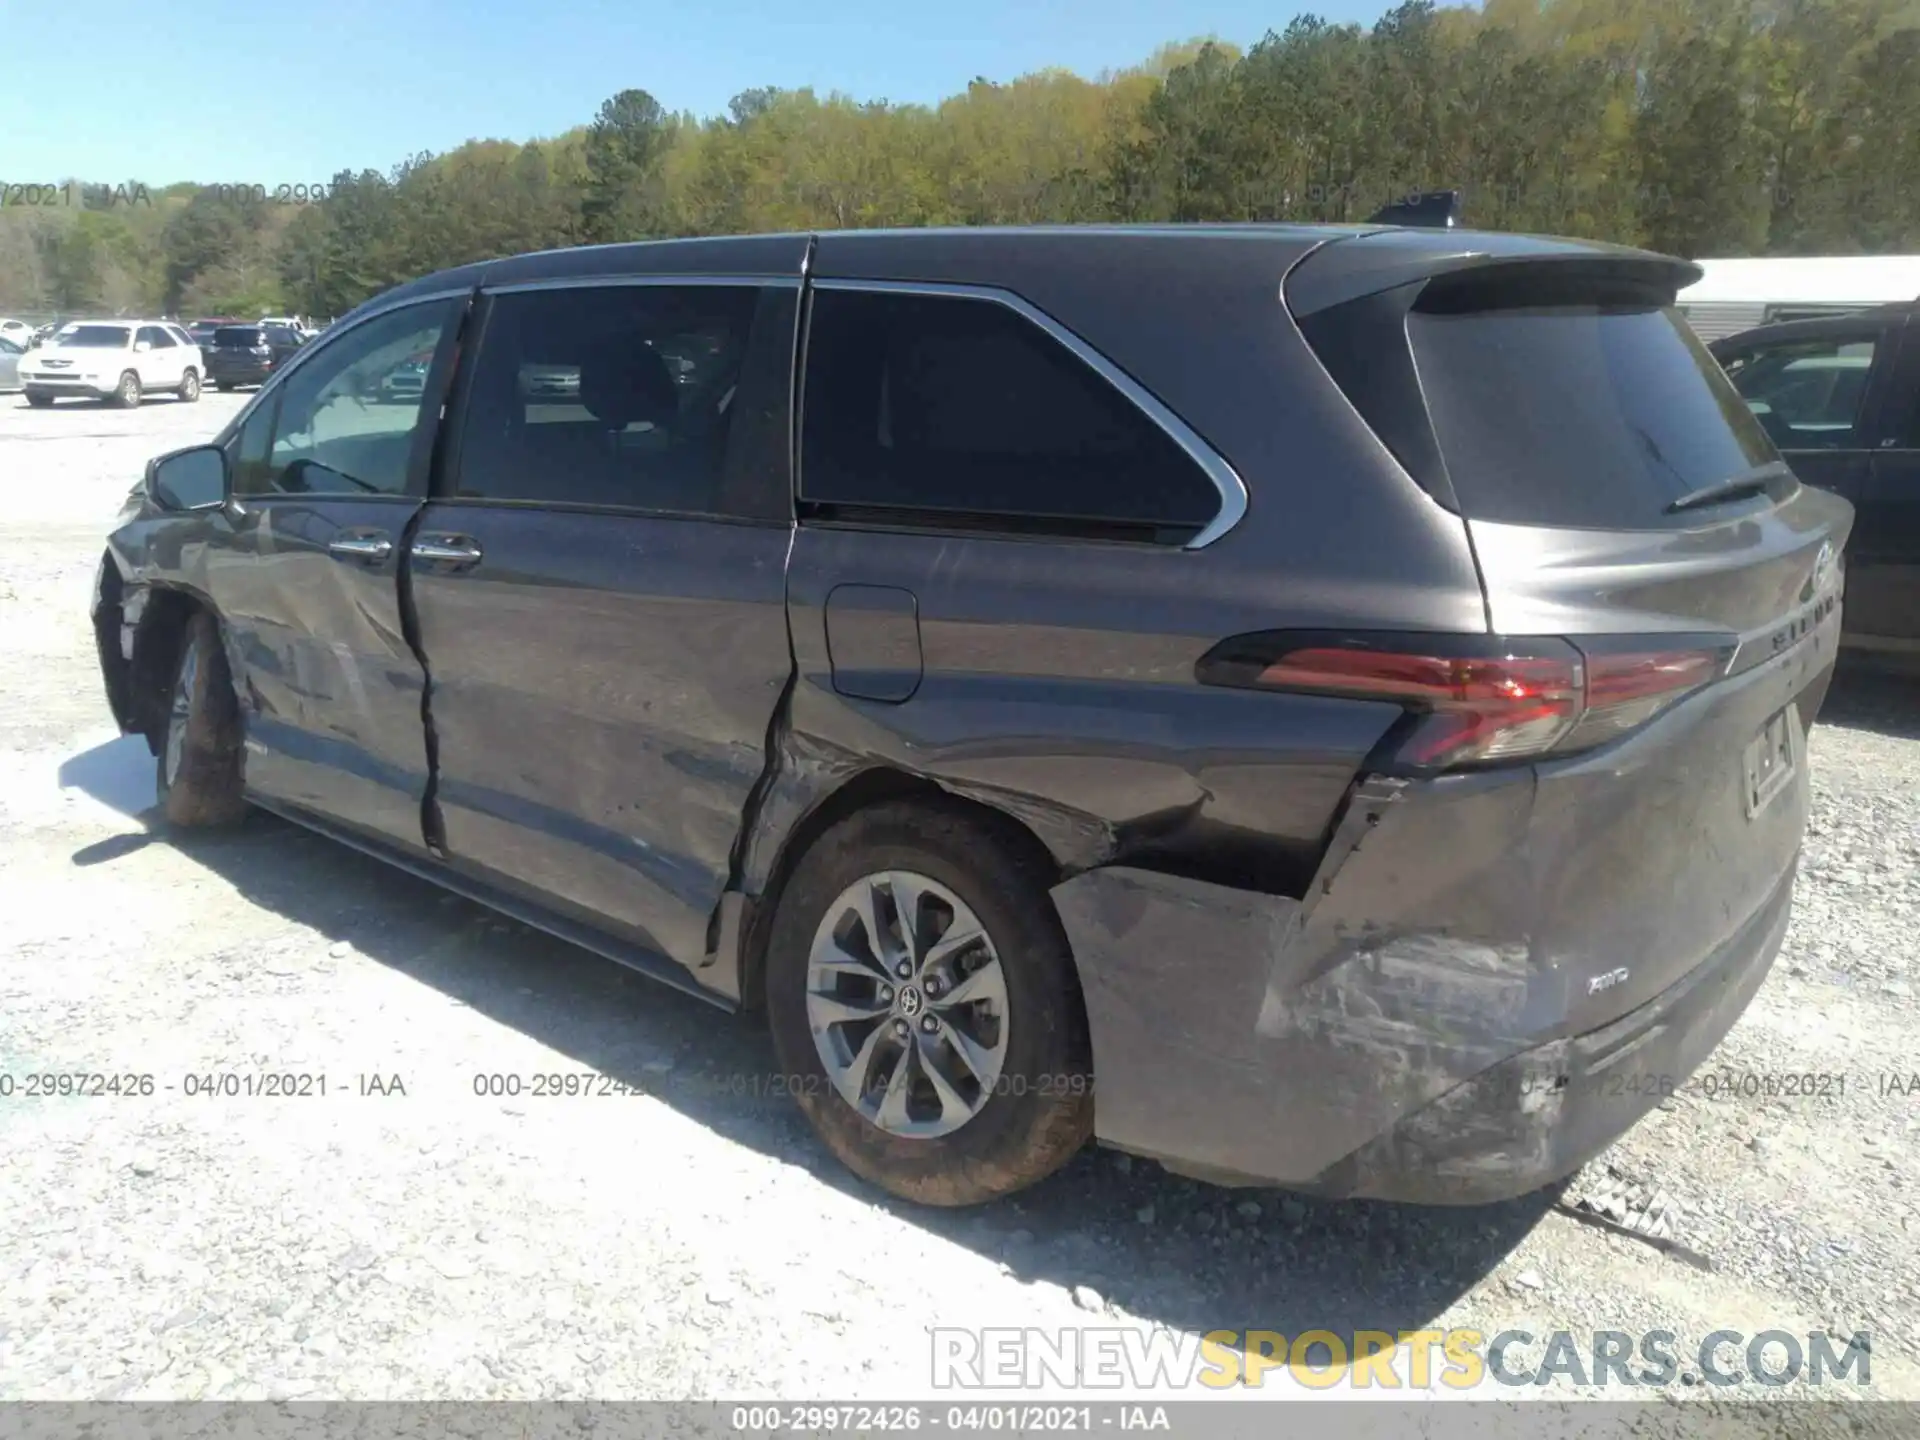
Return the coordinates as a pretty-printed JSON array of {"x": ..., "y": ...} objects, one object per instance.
[{"x": 1433, "y": 209}]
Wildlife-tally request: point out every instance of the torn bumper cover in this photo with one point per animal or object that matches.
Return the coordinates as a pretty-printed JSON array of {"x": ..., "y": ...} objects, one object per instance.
[{"x": 1416, "y": 1070}]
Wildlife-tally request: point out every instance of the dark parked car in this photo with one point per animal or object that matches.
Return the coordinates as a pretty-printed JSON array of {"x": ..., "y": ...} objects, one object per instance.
[
  {"x": 202, "y": 331},
  {"x": 1841, "y": 398},
  {"x": 247, "y": 354},
  {"x": 1343, "y": 690}
]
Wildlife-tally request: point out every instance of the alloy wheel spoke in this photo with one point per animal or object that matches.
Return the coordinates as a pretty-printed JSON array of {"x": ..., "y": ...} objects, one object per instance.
[
  {"x": 951, "y": 1101},
  {"x": 851, "y": 1080},
  {"x": 979, "y": 1060},
  {"x": 866, "y": 904},
  {"x": 839, "y": 1010},
  {"x": 892, "y": 1114},
  {"x": 907, "y": 894},
  {"x": 960, "y": 935},
  {"x": 983, "y": 984},
  {"x": 838, "y": 960}
]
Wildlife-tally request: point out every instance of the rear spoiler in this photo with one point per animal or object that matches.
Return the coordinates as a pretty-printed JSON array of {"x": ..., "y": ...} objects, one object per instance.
[
  {"x": 1433, "y": 210},
  {"x": 1354, "y": 266}
]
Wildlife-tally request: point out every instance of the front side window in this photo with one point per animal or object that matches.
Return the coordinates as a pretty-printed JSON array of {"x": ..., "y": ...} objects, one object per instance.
[
  {"x": 965, "y": 410},
  {"x": 1808, "y": 394},
  {"x": 338, "y": 427},
  {"x": 156, "y": 337},
  {"x": 622, "y": 396}
]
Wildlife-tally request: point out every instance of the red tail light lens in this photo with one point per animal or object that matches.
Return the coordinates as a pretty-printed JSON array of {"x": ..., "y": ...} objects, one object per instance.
[{"x": 1478, "y": 699}]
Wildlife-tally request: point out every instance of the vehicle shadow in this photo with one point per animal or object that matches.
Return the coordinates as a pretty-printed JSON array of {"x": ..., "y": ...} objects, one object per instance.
[
  {"x": 1154, "y": 1247},
  {"x": 1872, "y": 694}
]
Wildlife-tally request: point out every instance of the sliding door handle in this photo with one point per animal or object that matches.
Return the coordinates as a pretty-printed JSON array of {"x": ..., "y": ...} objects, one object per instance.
[
  {"x": 370, "y": 548},
  {"x": 446, "y": 550}
]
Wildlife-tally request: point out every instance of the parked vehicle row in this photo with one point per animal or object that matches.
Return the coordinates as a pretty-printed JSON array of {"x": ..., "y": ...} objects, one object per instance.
[{"x": 1345, "y": 691}]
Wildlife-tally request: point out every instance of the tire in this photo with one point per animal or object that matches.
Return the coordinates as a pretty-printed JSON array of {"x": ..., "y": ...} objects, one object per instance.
[
  {"x": 1037, "y": 1112},
  {"x": 223, "y": 385},
  {"x": 189, "y": 390},
  {"x": 39, "y": 402},
  {"x": 198, "y": 770},
  {"x": 127, "y": 395}
]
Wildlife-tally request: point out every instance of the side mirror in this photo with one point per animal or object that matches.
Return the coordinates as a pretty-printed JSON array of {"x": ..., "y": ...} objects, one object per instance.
[{"x": 189, "y": 480}]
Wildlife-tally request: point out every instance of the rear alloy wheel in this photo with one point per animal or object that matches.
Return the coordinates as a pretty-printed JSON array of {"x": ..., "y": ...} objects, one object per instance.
[
  {"x": 912, "y": 1030},
  {"x": 190, "y": 386},
  {"x": 925, "y": 1007},
  {"x": 128, "y": 394},
  {"x": 199, "y": 763}
]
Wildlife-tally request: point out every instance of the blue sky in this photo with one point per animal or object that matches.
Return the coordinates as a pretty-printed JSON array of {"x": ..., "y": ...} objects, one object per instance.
[{"x": 270, "y": 92}]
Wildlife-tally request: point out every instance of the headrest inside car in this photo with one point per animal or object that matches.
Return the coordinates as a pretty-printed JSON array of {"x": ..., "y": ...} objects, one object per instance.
[{"x": 623, "y": 382}]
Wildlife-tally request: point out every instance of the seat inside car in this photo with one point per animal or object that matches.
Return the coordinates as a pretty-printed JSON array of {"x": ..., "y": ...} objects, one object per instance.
[{"x": 626, "y": 448}]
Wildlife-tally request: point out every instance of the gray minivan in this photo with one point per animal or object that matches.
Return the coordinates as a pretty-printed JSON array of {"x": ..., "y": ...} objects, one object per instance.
[{"x": 1314, "y": 706}]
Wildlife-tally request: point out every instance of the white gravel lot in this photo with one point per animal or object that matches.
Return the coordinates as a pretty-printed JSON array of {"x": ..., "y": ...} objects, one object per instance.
[{"x": 695, "y": 1241}]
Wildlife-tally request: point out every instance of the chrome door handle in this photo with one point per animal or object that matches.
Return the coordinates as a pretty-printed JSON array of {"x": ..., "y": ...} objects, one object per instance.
[
  {"x": 361, "y": 547},
  {"x": 446, "y": 550}
]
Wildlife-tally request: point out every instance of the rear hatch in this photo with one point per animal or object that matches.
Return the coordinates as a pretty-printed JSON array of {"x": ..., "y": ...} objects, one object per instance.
[{"x": 1628, "y": 513}]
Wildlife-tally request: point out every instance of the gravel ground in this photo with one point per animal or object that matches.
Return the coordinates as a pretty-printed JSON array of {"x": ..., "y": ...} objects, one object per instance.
[{"x": 403, "y": 1237}]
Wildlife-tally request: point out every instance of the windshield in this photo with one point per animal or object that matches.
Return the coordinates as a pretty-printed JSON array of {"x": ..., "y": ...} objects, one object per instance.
[
  {"x": 243, "y": 335},
  {"x": 104, "y": 337}
]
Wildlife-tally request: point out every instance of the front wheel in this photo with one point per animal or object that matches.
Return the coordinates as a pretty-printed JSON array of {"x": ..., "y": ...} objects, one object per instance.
[
  {"x": 925, "y": 1008},
  {"x": 128, "y": 394},
  {"x": 38, "y": 401},
  {"x": 199, "y": 765},
  {"x": 190, "y": 386}
]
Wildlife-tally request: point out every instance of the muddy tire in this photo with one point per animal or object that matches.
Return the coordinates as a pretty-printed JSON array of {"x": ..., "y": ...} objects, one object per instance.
[
  {"x": 965, "y": 1071},
  {"x": 198, "y": 771}
]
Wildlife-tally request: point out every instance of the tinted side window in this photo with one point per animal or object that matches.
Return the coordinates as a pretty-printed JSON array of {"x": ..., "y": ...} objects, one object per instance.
[
  {"x": 964, "y": 407},
  {"x": 622, "y": 396},
  {"x": 342, "y": 426},
  {"x": 1807, "y": 393}
]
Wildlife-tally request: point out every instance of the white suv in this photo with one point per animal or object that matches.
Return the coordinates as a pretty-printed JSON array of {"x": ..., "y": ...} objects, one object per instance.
[{"x": 116, "y": 360}]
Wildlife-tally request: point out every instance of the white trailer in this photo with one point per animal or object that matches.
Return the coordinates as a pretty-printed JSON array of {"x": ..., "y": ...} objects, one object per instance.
[{"x": 1736, "y": 295}]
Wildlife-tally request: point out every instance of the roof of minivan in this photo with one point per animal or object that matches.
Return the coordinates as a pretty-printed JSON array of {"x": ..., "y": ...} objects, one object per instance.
[{"x": 955, "y": 253}]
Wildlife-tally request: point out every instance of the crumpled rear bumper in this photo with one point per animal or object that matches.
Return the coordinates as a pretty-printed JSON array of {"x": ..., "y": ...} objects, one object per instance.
[
  {"x": 1541, "y": 1115},
  {"x": 1422, "y": 1077}
]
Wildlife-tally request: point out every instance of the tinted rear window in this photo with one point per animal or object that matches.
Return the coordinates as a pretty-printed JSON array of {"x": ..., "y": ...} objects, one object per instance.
[
  {"x": 238, "y": 335},
  {"x": 1584, "y": 416}
]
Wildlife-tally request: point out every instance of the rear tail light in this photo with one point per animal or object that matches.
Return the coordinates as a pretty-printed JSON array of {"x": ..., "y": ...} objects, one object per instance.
[{"x": 1479, "y": 700}]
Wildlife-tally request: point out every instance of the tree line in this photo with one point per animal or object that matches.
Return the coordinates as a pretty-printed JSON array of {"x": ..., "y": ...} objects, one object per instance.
[{"x": 1721, "y": 127}]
